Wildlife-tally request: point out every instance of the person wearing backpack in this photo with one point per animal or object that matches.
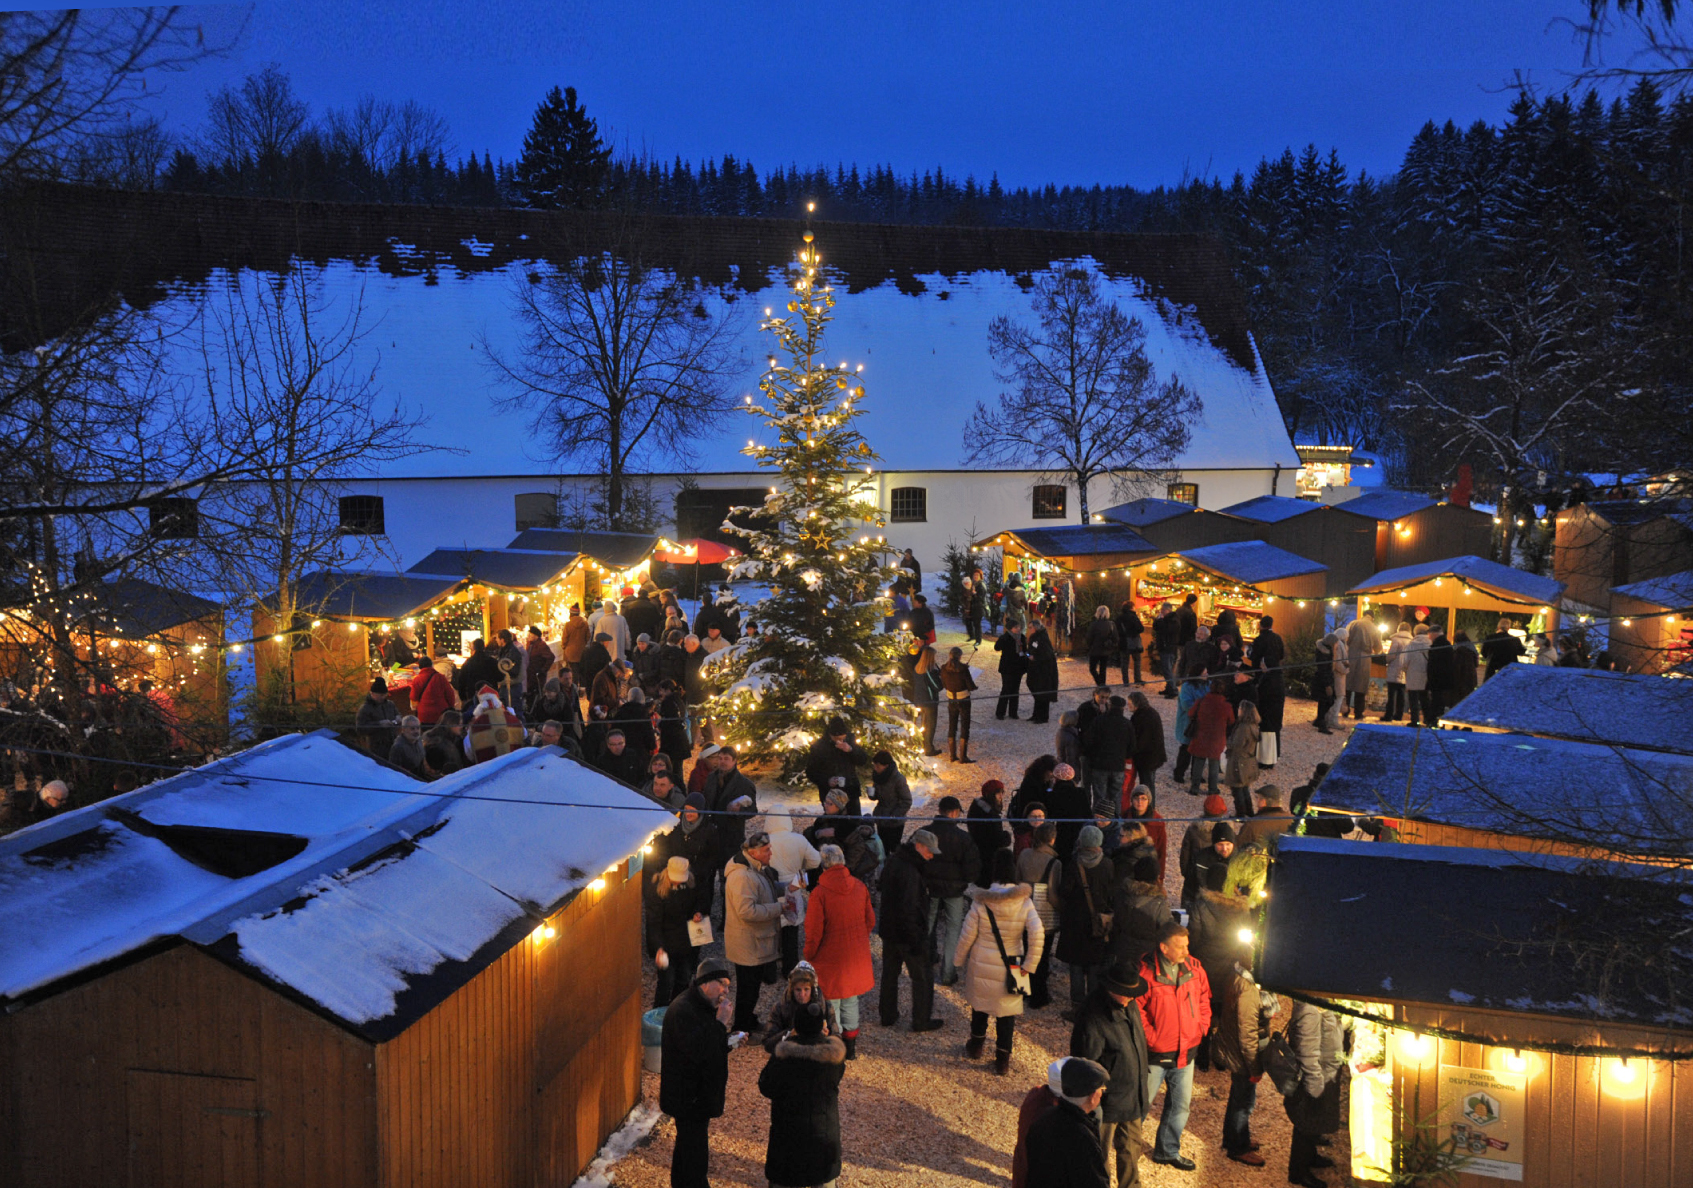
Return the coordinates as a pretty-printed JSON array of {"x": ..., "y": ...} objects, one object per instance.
[
  {"x": 1317, "y": 1040},
  {"x": 1241, "y": 1014}
]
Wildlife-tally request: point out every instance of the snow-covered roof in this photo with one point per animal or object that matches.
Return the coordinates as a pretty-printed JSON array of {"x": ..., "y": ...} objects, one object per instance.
[
  {"x": 352, "y": 595},
  {"x": 1674, "y": 592},
  {"x": 1272, "y": 509},
  {"x": 1501, "y": 581},
  {"x": 1617, "y": 797},
  {"x": 1137, "y": 513},
  {"x": 1385, "y": 505},
  {"x": 140, "y": 608},
  {"x": 1630, "y": 512},
  {"x": 617, "y": 549},
  {"x": 1491, "y": 929},
  {"x": 509, "y": 569},
  {"x": 1629, "y": 709},
  {"x": 380, "y": 943},
  {"x": 1080, "y": 540},
  {"x": 95, "y": 884},
  {"x": 1250, "y": 561},
  {"x": 913, "y": 304}
]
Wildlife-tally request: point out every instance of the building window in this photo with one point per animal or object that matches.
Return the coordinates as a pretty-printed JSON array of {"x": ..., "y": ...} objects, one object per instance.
[
  {"x": 1185, "y": 493},
  {"x": 361, "y": 515},
  {"x": 1051, "y": 503},
  {"x": 173, "y": 519},
  {"x": 537, "y": 509},
  {"x": 910, "y": 505}
]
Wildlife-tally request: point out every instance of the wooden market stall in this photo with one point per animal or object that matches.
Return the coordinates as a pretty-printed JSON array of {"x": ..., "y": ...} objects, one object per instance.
[
  {"x": 612, "y": 561},
  {"x": 1412, "y": 529},
  {"x": 1072, "y": 548},
  {"x": 1249, "y": 577},
  {"x": 289, "y": 968},
  {"x": 1581, "y": 705},
  {"x": 1520, "y": 1013},
  {"x": 517, "y": 586},
  {"x": 1450, "y": 587},
  {"x": 327, "y": 656},
  {"x": 1507, "y": 791},
  {"x": 1607, "y": 543},
  {"x": 1652, "y": 623},
  {"x": 1170, "y": 524},
  {"x": 130, "y": 630},
  {"x": 1344, "y": 543}
]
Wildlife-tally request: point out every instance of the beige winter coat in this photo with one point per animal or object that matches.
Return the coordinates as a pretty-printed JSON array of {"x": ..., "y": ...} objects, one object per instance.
[
  {"x": 752, "y": 916},
  {"x": 1243, "y": 748},
  {"x": 977, "y": 955}
]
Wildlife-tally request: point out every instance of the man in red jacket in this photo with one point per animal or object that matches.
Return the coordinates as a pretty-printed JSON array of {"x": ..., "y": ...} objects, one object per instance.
[{"x": 1176, "y": 1013}]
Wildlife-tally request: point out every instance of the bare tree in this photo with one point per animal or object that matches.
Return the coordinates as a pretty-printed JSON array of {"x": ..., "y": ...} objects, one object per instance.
[
  {"x": 384, "y": 133},
  {"x": 261, "y": 119},
  {"x": 1658, "y": 41},
  {"x": 1085, "y": 401},
  {"x": 71, "y": 75},
  {"x": 623, "y": 362}
]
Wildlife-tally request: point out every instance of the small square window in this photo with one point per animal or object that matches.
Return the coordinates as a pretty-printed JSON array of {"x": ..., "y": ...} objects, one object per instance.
[
  {"x": 173, "y": 519},
  {"x": 1051, "y": 502},
  {"x": 361, "y": 515},
  {"x": 537, "y": 509},
  {"x": 909, "y": 505},
  {"x": 1185, "y": 493}
]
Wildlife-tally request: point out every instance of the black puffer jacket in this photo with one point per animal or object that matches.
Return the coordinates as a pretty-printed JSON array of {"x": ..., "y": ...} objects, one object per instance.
[
  {"x": 955, "y": 865},
  {"x": 1064, "y": 1150},
  {"x": 803, "y": 1081}
]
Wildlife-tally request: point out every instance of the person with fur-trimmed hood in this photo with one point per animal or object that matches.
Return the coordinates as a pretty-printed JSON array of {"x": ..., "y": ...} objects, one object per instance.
[
  {"x": 1002, "y": 935},
  {"x": 802, "y": 990},
  {"x": 803, "y": 1082}
]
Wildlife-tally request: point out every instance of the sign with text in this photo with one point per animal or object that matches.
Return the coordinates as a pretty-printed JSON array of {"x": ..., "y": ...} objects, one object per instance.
[{"x": 1483, "y": 1112}]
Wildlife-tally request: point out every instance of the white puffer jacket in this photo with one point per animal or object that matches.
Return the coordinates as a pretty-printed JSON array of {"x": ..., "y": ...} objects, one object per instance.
[{"x": 978, "y": 956}]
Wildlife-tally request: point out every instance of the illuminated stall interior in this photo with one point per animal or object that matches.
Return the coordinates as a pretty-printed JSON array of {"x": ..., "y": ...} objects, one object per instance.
[
  {"x": 1652, "y": 624},
  {"x": 1495, "y": 1036},
  {"x": 1448, "y": 589},
  {"x": 1250, "y": 578}
]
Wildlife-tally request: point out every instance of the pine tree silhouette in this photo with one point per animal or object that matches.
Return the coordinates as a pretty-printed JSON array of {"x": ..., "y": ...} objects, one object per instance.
[{"x": 564, "y": 162}]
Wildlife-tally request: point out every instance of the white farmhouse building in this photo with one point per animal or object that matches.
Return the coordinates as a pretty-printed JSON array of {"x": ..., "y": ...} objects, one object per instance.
[{"x": 913, "y": 305}]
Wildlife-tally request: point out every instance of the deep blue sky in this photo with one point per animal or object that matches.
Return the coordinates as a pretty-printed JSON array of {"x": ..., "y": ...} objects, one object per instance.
[{"x": 1132, "y": 91}]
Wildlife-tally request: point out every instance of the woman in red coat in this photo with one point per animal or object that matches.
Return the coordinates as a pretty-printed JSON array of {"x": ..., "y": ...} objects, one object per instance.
[
  {"x": 1212, "y": 718},
  {"x": 431, "y": 694},
  {"x": 838, "y": 923}
]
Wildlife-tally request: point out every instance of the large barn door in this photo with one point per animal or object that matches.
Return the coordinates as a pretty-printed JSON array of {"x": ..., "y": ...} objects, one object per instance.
[{"x": 189, "y": 1131}]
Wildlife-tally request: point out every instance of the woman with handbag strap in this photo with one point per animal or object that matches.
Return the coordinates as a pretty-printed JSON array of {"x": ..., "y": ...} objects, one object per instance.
[{"x": 999, "y": 946}]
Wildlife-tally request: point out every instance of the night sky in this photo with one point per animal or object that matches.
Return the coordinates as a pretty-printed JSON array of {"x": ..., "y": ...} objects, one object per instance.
[{"x": 1045, "y": 92}]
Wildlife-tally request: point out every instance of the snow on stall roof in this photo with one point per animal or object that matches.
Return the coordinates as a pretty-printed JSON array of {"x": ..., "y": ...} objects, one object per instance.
[
  {"x": 1272, "y": 509},
  {"x": 1251, "y": 561},
  {"x": 1674, "y": 592},
  {"x": 1139, "y": 512},
  {"x": 380, "y": 944},
  {"x": 1587, "y": 705},
  {"x": 507, "y": 568},
  {"x": 1492, "y": 928},
  {"x": 619, "y": 549},
  {"x": 1081, "y": 540},
  {"x": 1478, "y": 571},
  {"x": 1385, "y": 504},
  {"x": 372, "y": 595},
  {"x": 93, "y": 885},
  {"x": 1619, "y": 797}
]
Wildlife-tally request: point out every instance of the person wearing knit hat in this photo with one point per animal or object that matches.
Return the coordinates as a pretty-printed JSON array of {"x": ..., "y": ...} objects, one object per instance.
[
  {"x": 1084, "y": 915},
  {"x": 1068, "y": 804},
  {"x": 987, "y": 827},
  {"x": 802, "y": 1080},
  {"x": 1211, "y": 864},
  {"x": 694, "y": 1069},
  {"x": 1196, "y": 837},
  {"x": 672, "y": 900},
  {"x": 1063, "y": 1143}
]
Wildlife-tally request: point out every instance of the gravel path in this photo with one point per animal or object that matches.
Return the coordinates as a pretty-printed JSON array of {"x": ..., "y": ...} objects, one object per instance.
[{"x": 913, "y": 1105}]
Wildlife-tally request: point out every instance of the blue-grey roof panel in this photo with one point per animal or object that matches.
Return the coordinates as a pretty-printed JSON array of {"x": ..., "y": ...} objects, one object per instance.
[
  {"x": 349, "y": 595},
  {"x": 1630, "y": 709},
  {"x": 1386, "y": 505},
  {"x": 1272, "y": 509},
  {"x": 1139, "y": 512},
  {"x": 511, "y": 569},
  {"x": 1530, "y": 587},
  {"x": 1251, "y": 561},
  {"x": 1083, "y": 540},
  {"x": 1674, "y": 592}
]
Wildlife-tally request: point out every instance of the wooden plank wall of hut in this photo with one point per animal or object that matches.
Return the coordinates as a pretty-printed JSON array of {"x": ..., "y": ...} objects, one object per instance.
[
  {"x": 519, "y": 1077},
  {"x": 1583, "y": 1128},
  {"x": 82, "y": 1113}
]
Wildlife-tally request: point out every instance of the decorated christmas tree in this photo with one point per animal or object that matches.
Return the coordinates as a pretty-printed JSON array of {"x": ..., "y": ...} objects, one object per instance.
[{"x": 820, "y": 653}]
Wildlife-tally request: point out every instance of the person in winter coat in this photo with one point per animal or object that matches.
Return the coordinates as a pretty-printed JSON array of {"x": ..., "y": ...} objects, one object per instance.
[
  {"x": 731, "y": 797},
  {"x": 1214, "y": 929},
  {"x": 1002, "y": 935},
  {"x": 1013, "y": 663},
  {"x": 1016, "y": 611},
  {"x": 540, "y": 661},
  {"x": 596, "y": 658},
  {"x": 643, "y": 660},
  {"x": 1042, "y": 869},
  {"x": 1176, "y": 1012},
  {"x": 986, "y": 826},
  {"x": 971, "y": 601},
  {"x": 792, "y": 854},
  {"x": 1191, "y": 690},
  {"x": 694, "y": 1074},
  {"x": 573, "y": 638},
  {"x": 1211, "y": 862},
  {"x": 1396, "y": 645},
  {"x": 1106, "y": 744},
  {"x": 1166, "y": 637},
  {"x": 1088, "y": 713},
  {"x": 1084, "y": 913},
  {"x": 1416, "y": 677},
  {"x": 1187, "y": 629},
  {"x": 1146, "y": 728},
  {"x": 838, "y": 923},
  {"x": 922, "y": 619},
  {"x": 432, "y": 694},
  {"x": 1362, "y": 641},
  {"x": 1043, "y": 673},
  {"x": 1270, "y": 821},
  {"x": 1241, "y": 1016},
  {"x": 892, "y": 796},
  {"x": 1501, "y": 648},
  {"x": 801, "y": 990},
  {"x": 958, "y": 684},
  {"x": 752, "y": 917},
  {"x": 1138, "y": 910},
  {"x": 923, "y": 689},
  {"x": 561, "y": 701},
  {"x": 836, "y": 754},
  {"x": 1466, "y": 661},
  {"x": 1442, "y": 675},
  {"x": 906, "y": 927},
  {"x": 1318, "y": 1040},
  {"x": 1069, "y": 806},
  {"x": 378, "y": 720},
  {"x": 1243, "y": 758},
  {"x": 1102, "y": 645},
  {"x": 672, "y": 898},
  {"x": 1130, "y": 633},
  {"x": 855, "y": 835},
  {"x": 673, "y": 740},
  {"x": 1328, "y": 676},
  {"x": 614, "y": 625},
  {"x": 1032, "y": 789},
  {"x": 1036, "y": 1103},
  {"x": 1212, "y": 719},
  {"x": 1266, "y": 655},
  {"x": 803, "y": 1082},
  {"x": 407, "y": 749},
  {"x": 1067, "y": 743},
  {"x": 1195, "y": 841},
  {"x": 1062, "y": 1148},
  {"x": 1140, "y": 809},
  {"x": 957, "y": 864},
  {"x": 1108, "y": 1030}
]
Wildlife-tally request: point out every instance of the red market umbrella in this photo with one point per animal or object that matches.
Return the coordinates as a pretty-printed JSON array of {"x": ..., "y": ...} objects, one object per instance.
[{"x": 696, "y": 552}]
